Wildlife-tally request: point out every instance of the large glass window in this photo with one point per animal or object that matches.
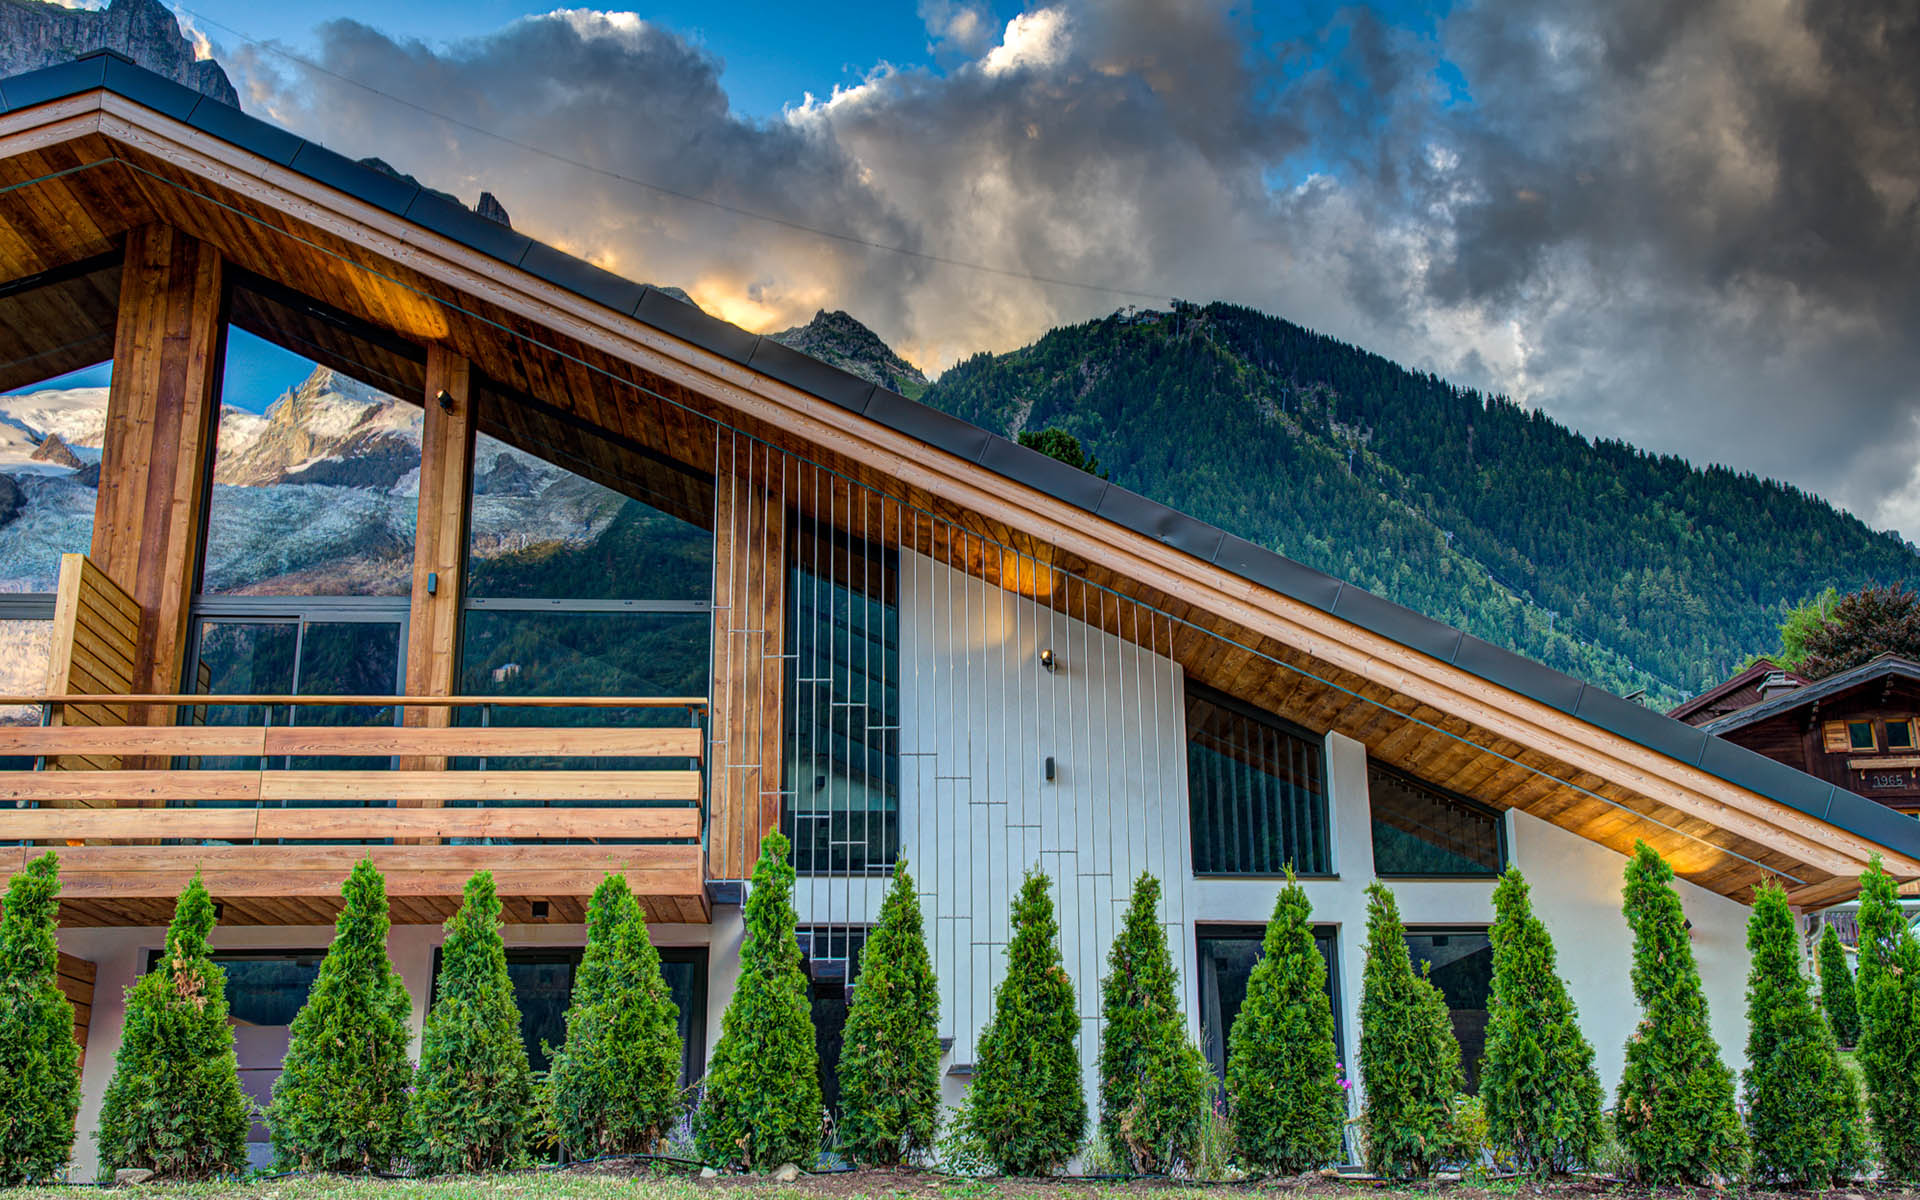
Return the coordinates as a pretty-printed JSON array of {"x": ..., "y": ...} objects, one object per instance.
[
  {"x": 26, "y": 649},
  {"x": 1460, "y": 964},
  {"x": 1255, "y": 791},
  {"x": 543, "y": 980},
  {"x": 1227, "y": 954},
  {"x": 265, "y": 991},
  {"x": 56, "y": 347},
  {"x": 575, "y": 588},
  {"x": 1421, "y": 830},
  {"x": 843, "y": 703}
]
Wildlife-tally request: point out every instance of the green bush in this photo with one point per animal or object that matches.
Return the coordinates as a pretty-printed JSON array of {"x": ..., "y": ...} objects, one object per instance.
[
  {"x": 1542, "y": 1094},
  {"x": 1284, "y": 1089},
  {"x": 340, "y": 1103},
  {"x": 39, "y": 1060},
  {"x": 1803, "y": 1111},
  {"x": 1837, "y": 997},
  {"x": 174, "y": 1104},
  {"x": 473, "y": 1092},
  {"x": 1028, "y": 1108},
  {"x": 614, "y": 1088},
  {"x": 890, "y": 1051},
  {"x": 1889, "y": 1050},
  {"x": 1153, "y": 1080},
  {"x": 761, "y": 1107},
  {"x": 1674, "y": 1114},
  {"x": 1409, "y": 1060}
]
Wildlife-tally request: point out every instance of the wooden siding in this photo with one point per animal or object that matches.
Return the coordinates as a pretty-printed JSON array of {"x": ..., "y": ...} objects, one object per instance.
[
  {"x": 96, "y": 638},
  {"x": 1813, "y": 738},
  {"x": 76, "y": 984}
]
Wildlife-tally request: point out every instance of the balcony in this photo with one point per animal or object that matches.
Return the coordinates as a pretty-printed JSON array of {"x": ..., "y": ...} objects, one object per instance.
[{"x": 274, "y": 815}]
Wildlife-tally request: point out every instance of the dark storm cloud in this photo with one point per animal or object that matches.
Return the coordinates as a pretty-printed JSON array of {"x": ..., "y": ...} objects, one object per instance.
[{"x": 1693, "y": 225}]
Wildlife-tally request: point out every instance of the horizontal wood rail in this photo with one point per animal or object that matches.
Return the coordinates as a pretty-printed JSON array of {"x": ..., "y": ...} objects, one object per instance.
[
  {"x": 108, "y": 789},
  {"x": 243, "y": 741},
  {"x": 343, "y": 824},
  {"x": 193, "y": 700}
]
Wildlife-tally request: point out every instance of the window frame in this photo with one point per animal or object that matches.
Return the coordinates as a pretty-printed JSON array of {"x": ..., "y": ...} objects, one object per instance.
[
  {"x": 1873, "y": 737},
  {"x": 1905, "y": 723},
  {"x": 1457, "y": 929},
  {"x": 1503, "y": 849},
  {"x": 1255, "y": 931},
  {"x": 1315, "y": 742}
]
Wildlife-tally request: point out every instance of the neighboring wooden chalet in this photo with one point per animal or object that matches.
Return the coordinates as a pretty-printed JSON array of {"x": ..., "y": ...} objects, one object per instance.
[
  {"x": 1855, "y": 730},
  {"x": 1760, "y": 680},
  {"x": 338, "y": 521}
]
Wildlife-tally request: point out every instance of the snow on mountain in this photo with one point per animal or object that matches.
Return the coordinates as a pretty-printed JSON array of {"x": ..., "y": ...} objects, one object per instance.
[{"x": 77, "y": 416}]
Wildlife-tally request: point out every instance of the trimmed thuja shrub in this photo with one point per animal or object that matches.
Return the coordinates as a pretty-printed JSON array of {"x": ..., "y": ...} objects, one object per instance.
[
  {"x": 174, "y": 1104},
  {"x": 1026, "y": 1106},
  {"x": 1889, "y": 1050},
  {"x": 1674, "y": 1115},
  {"x": 1283, "y": 1073},
  {"x": 1153, "y": 1080},
  {"x": 340, "y": 1103},
  {"x": 890, "y": 1051},
  {"x": 761, "y": 1107},
  {"x": 1837, "y": 998},
  {"x": 1537, "y": 1078},
  {"x": 1409, "y": 1060},
  {"x": 39, "y": 1060},
  {"x": 473, "y": 1091},
  {"x": 1803, "y": 1110},
  {"x": 614, "y": 1086}
]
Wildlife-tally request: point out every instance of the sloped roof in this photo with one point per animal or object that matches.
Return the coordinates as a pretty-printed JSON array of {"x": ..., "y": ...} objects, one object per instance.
[
  {"x": 986, "y": 451},
  {"x": 1883, "y": 667},
  {"x": 1749, "y": 675}
]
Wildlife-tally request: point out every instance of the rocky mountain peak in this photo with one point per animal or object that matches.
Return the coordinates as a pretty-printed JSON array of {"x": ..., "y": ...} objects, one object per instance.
[
  {"x": 54, "y": 450},
  {"x": 837, "y": 338},
  {"x": 35, "y": 34}
]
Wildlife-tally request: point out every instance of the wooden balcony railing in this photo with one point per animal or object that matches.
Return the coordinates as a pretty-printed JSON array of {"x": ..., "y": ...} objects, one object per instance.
[{"x": 284, "y": 809}]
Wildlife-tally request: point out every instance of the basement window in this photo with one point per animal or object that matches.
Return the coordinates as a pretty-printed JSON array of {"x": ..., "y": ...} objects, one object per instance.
[{"x": 1423, "y": 831}]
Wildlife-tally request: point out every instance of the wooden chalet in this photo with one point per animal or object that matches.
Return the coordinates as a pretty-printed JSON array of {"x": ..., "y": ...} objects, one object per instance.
[{"x": 632, "y": 586}]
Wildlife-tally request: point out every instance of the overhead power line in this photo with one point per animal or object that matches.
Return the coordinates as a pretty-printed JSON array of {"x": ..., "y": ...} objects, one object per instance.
[{"x": 850, "y": 239}]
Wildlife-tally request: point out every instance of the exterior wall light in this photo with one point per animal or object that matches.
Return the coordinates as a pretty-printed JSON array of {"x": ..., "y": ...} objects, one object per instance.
[{"x": 1048, "y": 661}]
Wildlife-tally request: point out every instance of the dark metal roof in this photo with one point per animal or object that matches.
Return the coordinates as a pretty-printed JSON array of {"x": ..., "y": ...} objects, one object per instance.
[
  {"x": 1881, "y": 667},
  {"x": 1582, "y": 701}
]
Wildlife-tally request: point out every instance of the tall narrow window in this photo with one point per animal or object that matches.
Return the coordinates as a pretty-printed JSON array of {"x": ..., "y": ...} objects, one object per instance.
[
  {"x": 843, "y": 703},
  {"x": 1421, "y": 830},
  {"x": 1255, "y": 791},
  {"x": 832, "y": 957}
]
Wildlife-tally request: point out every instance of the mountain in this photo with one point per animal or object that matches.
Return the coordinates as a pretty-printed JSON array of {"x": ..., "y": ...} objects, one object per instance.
[
  {"x": 835, "y": 337},
  {"x": 35, "y": 34},
  {"x": 1632, "y": 570}
]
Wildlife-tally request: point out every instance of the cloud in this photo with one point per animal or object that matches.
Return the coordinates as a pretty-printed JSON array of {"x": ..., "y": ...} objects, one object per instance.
[{"x": 1694, "y": 226}]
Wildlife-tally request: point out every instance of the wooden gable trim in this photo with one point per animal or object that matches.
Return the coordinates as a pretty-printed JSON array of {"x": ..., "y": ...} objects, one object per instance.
[{"x": 1418, "y": 678}]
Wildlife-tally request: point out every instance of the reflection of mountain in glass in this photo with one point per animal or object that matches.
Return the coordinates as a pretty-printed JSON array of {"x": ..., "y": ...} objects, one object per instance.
[{"x": 49, "y": 473}]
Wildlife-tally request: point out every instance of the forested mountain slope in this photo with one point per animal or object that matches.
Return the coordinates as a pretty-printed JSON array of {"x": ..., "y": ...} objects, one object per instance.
[{"x": 1632, "y": 570}]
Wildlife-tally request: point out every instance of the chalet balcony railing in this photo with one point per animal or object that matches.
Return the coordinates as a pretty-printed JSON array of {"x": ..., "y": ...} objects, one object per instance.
[{"x": 96, "y": 783}]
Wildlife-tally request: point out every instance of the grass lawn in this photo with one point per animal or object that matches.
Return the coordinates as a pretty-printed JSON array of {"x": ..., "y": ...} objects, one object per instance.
[{"x": 620, "y": 1183}]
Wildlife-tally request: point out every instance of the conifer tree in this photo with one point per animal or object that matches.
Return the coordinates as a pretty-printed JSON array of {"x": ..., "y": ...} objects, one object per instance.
[
  {"x": 1537, "y": 1078},
  {"x": 340, "y": 1103},
  {"x": 1674, "y": 1114},
  {"x": 761, "y": 1108},
  {"x": 614, "y": 1086},
  {"x": 1283, "y": 1071},
  {"x": 174, "y": 1105},
  {"x": 1803, "y": 1111},
  {"x": 890, "y": 1053},
  {"x": 39, "y": 1060},
  {"x": 1889, "y": 1050},
  {"x": 1837, "y": 996},
  {"x": 1409, "y": 1060},
  {"x": 1027, "y": 1105},
  {"x": 473, "y": 1091},
  {"x": 1153, "y": 1079}
]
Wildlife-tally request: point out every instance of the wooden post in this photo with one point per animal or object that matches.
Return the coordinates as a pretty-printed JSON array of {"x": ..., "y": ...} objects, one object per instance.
[
  {"x": 440, "y": 542},
  {"x": 746, "y": 719},
  {"x": 161, "y": 412}
]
